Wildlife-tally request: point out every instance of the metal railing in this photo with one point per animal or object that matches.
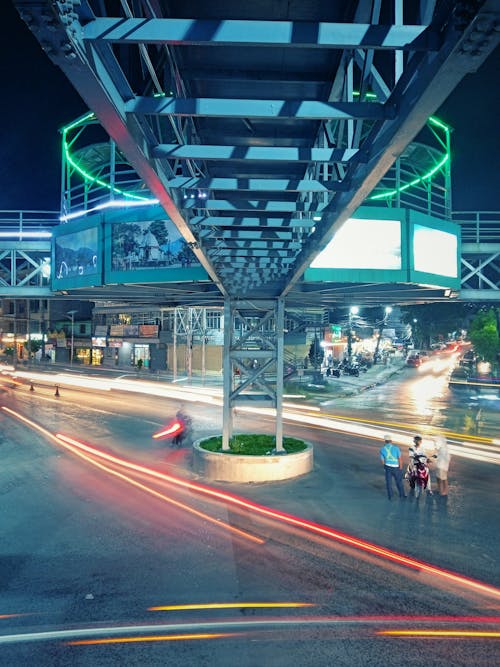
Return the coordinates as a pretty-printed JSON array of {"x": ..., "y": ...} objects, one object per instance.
[
  {"x": 478, "y": 226},
  {"x": 18, "y": 223}
]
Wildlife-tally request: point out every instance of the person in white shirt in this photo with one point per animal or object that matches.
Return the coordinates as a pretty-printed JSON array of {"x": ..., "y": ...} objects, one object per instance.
[{"x": 442, "y": 464}]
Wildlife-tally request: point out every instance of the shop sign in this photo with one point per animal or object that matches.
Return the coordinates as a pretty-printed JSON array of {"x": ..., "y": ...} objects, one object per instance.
[
  {"x": 98, "y": 341},
  {"x": 336, "y": 331},
  {"x": 148, "y": 330},
  {"x": 130, "y": 330}
]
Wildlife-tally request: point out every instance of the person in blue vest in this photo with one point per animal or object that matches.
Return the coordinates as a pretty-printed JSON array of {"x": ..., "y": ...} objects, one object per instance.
[{"x": 390, "y": 455}]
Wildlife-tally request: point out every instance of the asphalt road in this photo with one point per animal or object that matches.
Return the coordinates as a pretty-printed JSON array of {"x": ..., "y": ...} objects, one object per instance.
[
  {"x": 420, "y": 397},
  {"x": 87, "y": 551}
]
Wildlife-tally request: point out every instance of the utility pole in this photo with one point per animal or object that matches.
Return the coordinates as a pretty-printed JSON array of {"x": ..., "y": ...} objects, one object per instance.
[{"x": 71, "y": 316}]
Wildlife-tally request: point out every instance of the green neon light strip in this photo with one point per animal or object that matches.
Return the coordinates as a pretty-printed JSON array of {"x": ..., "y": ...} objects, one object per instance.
[
  {"x": 432, "y": 120},
  {"x": 425, "y": 177},
  {"x": 85, "y": 174}
]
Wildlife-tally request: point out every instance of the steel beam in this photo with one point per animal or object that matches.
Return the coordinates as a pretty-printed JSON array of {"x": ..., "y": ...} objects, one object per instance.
[
  {"x": 89, "y": 74},
  {"x": 241, "y": 204},
  {"x": 245, "y": 235},
  {"x": 256, "y": 153},
  {"x": 227, "y": 32},
  {"x": 259, "y": 224},
  {"x": 209, "y": 107},
  {"x": 255, "y": 184},
  {"x": 483, "y": 295}
]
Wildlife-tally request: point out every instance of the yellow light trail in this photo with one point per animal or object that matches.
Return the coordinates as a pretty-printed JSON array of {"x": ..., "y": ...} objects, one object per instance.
[
  {"x": 152, "y": 638},
  {"x": 440, "y": 633},
  {"x": 405, "y": 427},
  {"x": 232, "y": 605}
]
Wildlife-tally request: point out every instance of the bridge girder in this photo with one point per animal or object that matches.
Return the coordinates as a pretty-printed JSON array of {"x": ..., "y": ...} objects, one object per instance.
[{"x": 152, "y": 79}]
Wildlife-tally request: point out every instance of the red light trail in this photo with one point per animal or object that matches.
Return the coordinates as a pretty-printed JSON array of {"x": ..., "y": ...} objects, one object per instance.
[{"x": 310, "y": 526}]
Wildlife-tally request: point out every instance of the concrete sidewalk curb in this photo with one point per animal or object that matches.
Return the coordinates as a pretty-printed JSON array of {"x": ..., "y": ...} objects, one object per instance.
[{"x": 384, "y": 377}]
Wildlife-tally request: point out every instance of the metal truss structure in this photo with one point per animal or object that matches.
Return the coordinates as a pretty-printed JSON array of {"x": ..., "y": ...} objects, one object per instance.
[
  {"x": 188, "y": 323},
  {"x": 480, "y": 260},
  {"x": 262, "y": 127},
  {"x": 253, "y": 360},
  {"x": 25, "y": 250}
]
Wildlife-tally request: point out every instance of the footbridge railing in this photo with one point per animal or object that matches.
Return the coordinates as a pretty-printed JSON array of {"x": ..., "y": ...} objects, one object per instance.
[
  {"x": 480, "y": 255},
  {"x": 25, "y": 250}
]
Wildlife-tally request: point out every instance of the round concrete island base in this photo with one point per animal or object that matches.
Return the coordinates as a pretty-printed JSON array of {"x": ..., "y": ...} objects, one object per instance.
[{"x": 239, "y": 468}]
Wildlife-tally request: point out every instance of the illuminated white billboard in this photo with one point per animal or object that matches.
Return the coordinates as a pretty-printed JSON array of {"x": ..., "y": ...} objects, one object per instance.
[
  {"x": 435, "y": 251},
  {"x": 363, "y": 244}
]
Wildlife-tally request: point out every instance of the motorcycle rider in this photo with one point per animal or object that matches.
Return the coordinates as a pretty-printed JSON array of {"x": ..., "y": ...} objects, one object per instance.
[
  {"x": 417, "y": 455},
  {"x": 185, "y": 426}
]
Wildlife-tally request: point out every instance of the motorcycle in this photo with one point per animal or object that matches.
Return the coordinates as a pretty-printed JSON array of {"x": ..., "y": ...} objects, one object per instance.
[
  {"x": 333, "y": 371},
  {"x": 178, "y": 430},
  {"x": 417, "y": 474},
  {"x": 351, "y": 369}
]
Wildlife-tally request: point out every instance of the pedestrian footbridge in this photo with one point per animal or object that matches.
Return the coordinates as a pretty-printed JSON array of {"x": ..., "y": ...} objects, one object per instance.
[
  {"x": 260, "y": 131},
  {"x": 33, "y": 262},
  {"x": 259, "y": 152}
]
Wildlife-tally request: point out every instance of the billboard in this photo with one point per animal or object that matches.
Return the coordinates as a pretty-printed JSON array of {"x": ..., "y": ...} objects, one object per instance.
[
  {"x": 76, "y": 254},
  {"x": 383, "y": 245},
  {"x": 363, "y": 244},
  {"x": 148, "y": 244},
  {"x": 147, "y": 249},
  {"x": 435, "y": 251}
]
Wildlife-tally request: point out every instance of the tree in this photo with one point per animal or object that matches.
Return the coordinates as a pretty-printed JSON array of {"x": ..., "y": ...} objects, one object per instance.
[
  {"x": 483, "y": 334},
  {"x": 436, "y": 319},
  {"x": 32, "y": 346},
  {"x": 316, "y": 352},
  {"x": 159, "y": 229}
]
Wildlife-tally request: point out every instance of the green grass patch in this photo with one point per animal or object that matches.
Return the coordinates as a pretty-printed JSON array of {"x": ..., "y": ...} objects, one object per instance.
[{"x": 255, "y": 444}]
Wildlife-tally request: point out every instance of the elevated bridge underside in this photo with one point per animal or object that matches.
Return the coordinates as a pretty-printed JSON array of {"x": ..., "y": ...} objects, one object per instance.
[{"x": 262, "y": 127}]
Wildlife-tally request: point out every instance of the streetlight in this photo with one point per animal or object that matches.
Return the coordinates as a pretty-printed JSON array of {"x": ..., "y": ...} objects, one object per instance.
[
  {"x": 353, "y": 310},
  {"x": 71, "y": 316}
]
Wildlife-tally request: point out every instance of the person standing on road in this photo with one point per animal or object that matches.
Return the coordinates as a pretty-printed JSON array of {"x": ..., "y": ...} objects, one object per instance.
[
  {"x": 442, "y": 464},
  {"x": 390, "y": 456}
]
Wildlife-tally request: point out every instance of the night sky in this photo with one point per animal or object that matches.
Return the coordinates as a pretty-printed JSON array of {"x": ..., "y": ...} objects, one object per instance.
[{"x": 37, "y": 100}]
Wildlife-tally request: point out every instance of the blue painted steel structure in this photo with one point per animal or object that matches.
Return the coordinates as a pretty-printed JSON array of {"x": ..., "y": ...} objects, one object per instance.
[{"x": 273, "y": 114}]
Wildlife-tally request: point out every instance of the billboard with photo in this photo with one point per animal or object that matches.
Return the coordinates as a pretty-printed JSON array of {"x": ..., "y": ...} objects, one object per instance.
[
  {"x": 148, "y": 250},
  {"x": 76, "y": 255},
  {"x": 146, "y": 244}
]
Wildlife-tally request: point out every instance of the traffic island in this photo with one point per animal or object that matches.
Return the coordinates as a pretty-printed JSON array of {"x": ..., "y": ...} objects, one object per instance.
[{"x": 264, "y": 464}]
